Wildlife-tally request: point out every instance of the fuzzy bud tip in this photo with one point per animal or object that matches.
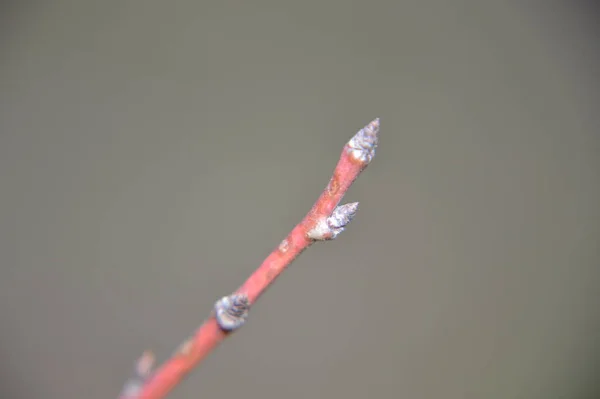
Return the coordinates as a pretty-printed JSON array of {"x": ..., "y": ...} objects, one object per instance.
[{"x": 362, "y": 146}]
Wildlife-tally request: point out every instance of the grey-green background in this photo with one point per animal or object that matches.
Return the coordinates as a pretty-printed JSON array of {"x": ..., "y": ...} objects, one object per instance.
[{"x": 152, "y": 153}]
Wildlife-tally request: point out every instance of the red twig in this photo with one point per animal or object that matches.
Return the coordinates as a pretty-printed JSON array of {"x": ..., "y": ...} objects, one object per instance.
[{"x": 323, "y": 222}]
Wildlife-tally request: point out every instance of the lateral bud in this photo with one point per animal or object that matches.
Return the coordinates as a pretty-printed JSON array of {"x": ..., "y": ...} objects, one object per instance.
[
  {"x": 231, "y": 311},
  {"x": 142, "y": 371},
  {"x": 330, "y": 227}
]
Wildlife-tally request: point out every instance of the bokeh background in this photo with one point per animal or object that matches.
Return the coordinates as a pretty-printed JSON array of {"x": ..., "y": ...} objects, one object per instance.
[{"x": 152, "y": 154}]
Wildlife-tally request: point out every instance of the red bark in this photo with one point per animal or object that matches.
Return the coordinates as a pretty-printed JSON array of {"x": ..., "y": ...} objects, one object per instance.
[{"x": 321, "y": 223}]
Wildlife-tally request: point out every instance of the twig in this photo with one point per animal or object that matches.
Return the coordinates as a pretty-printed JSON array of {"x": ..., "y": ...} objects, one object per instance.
[{"x": 325, "y": 221}]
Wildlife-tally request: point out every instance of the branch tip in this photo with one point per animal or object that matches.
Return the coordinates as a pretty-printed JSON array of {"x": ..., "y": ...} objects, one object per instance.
[{"x": 362, "y": 146}]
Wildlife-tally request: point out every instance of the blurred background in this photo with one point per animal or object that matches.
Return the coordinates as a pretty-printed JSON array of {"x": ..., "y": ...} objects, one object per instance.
[{"x": 153, "y": 153}]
